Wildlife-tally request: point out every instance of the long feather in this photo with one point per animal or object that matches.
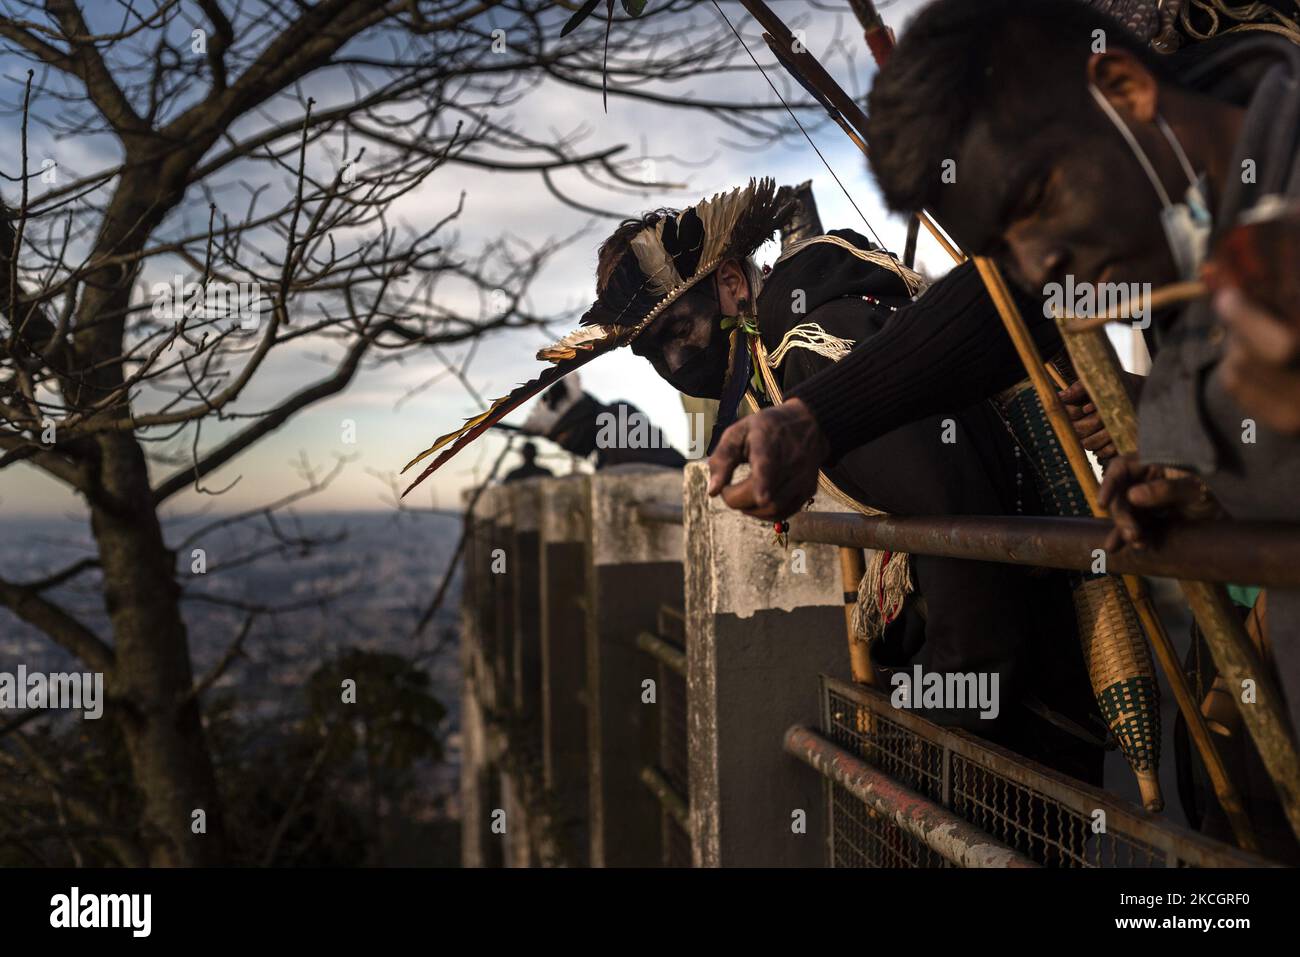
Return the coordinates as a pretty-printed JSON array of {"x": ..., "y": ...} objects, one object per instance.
[
  {"x": 719, "y": 214},
  {"x": 583, "y": 339},
  {"x": 653, "y": 258},
  {"x": 499, "y": 409}
]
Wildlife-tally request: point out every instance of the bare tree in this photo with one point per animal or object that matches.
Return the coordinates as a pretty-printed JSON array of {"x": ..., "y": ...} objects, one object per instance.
[{"x": 254, "y": 150}]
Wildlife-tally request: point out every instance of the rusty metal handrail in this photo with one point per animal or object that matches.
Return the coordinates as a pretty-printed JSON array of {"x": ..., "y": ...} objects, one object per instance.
[
  {"x": 662, "y": 513},
  {"x": 945, "y": 833},
  {"x": 1181, "y": 846},
  {"x": 674, "y": 804},
  {"x": 1251, "y": 553},
  {"x": 669, "y": 654}
]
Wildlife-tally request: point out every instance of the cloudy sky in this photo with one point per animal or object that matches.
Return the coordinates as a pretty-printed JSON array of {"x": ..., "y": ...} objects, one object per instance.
[{"x": 691, "y": 148}]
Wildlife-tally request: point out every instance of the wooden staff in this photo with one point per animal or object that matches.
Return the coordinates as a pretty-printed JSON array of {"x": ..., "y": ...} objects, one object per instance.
[
  {"x": 852, "y": 569},
  {"x": 852, "y": 565},
  {"x": 850, "y": 114},
  {"x": 1233, "y": 653},
  {"x": 1171, "y": 295}
]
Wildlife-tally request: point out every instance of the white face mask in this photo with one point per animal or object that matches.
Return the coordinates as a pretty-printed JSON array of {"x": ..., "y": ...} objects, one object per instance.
[{"x": 1187, "y": 224}]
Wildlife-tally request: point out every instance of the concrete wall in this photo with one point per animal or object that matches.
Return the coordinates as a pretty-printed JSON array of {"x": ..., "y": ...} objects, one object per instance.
[
  {"x": 635, "y": 567},
  {"x": 553, "y": 670},
  {"x": 481, "y": 795},
  {"x": 761, "y": 622},
  {"x": 564, "y": 559}
]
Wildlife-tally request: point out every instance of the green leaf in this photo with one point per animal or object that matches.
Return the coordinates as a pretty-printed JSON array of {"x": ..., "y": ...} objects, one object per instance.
[
  {"x": 583, "y": 12},
  {"x": 634, "y": 8}
]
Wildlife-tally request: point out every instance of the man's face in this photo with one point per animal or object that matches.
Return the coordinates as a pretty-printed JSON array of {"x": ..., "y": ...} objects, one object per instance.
[
  {"x": 1070, "y": 202},
  {"x": 687, "y": 345}
]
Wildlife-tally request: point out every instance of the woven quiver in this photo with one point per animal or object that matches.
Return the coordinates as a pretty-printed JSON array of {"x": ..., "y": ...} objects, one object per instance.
[{"x": 1114, "y": 647}]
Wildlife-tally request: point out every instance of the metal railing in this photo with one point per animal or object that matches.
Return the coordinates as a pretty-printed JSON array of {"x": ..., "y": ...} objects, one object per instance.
[
  {"x": 942, "y": 832},
  {"x": 662, "y": 513},
  {"x": 665, "y": 652},
  {"x": 1012, "y": 811},
  {"x": 1232, "y": 552},
  {"x": 900, "y": 790},
  {"x": 668, "y": 777}
]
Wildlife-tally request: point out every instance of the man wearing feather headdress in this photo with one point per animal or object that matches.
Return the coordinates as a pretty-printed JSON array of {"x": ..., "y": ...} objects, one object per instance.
[{"x": 682, "y": 290}]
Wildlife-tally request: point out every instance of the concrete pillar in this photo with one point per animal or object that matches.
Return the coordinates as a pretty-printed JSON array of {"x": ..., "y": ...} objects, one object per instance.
[
  {"x": 525, "y": 581},
  {"x": 478, "y": 571},
  {"x": 525, "y": 659},
  {"x": 761, "y": 623},
  {"x": 473, "y": 747},
  {"x": 496, "y": 503},
  {"x": 634, "y": 568},
  {"x": 563, "y": 575},
  {"x": 479, "y": 779},
  {"x": 507, "y": 586}
]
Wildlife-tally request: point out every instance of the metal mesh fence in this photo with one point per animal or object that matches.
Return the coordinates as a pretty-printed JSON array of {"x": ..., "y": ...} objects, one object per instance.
[
  {"x": 671, "y": 759},
  {"x": 1043, "y": 829},
  {"x": 860, "y": 838},
  {"x": 1046, "y": 816}
]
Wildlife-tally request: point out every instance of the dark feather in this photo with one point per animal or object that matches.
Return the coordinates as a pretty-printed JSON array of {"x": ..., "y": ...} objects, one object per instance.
[
  {"x": 502, "y": 407},
  {"x": 765, "y": 214},
  {"x": 686, "y": 242}
]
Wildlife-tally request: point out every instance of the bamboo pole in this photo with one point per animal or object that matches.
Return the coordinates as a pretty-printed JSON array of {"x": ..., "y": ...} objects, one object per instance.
[
  {"x": 1173, "y": 294},
  {"x": 852, "y": 565},
  {"x": 1160, "y": 642},
  {"x": 1235, "y": 656},
  {"x": 852, "y": 568},
  {"x": 1038, "y": 375}
]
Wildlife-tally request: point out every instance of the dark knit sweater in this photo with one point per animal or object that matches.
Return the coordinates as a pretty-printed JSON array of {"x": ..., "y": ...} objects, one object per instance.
[
  {"x": 980, "y": 616},
  {"x": 945, "y": 351}
]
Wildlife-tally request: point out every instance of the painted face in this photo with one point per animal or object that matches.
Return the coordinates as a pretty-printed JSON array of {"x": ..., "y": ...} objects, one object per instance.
[
  {"x": 687, "y": 345},
  {"x": 1069, "y": 202}
]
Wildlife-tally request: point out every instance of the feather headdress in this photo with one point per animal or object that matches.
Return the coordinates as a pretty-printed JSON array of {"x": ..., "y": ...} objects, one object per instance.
[{"x": 664, "y": 260}]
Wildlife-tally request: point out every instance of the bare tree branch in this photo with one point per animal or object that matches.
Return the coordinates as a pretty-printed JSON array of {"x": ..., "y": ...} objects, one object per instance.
[{"x": 62, "y": 628}]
